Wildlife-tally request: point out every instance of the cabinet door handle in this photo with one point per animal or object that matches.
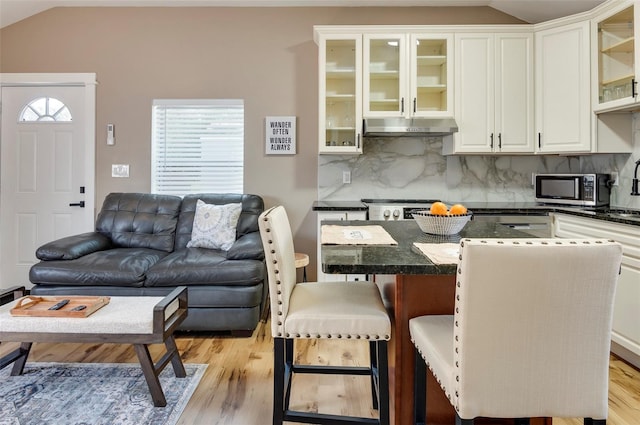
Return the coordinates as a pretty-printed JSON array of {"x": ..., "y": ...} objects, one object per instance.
[
  {"x": 415, "y": 105},
  {"x": 491, "y": 138},
  {"x": 500, "y": 140},
  {"x": 402, "y": 105},
  {"x": 539, "y": 140},
  {"x": 634, "y": 83},
  {"x": 358, "y": 141}
]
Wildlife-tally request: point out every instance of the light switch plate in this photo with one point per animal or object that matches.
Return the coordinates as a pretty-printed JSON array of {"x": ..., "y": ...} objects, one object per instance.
[{"x": 119, "y": 170}]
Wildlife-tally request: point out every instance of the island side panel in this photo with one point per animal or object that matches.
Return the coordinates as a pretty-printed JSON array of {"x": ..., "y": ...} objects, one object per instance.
[{"x": 418, "y": 295}]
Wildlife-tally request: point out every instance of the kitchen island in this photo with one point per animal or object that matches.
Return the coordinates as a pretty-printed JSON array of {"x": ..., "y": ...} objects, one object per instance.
[{"x": 421, "y": 287}]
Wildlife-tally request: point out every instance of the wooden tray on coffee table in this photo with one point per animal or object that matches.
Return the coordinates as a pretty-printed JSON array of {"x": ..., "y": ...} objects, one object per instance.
[{"x": 38, "y": 306}]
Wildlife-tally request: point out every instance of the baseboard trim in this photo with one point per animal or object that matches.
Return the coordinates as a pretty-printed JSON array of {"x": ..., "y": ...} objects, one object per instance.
[{"x": 625, "y": 354}]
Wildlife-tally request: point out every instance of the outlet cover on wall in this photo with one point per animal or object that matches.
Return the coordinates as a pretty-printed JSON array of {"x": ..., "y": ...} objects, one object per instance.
[
  {"x": 614, "y": 178},
  {"x": 119, "y": 170}
]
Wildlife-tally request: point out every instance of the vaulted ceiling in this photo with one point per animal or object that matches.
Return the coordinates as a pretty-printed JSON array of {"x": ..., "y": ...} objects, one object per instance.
[{"x": 532, "y": 11}]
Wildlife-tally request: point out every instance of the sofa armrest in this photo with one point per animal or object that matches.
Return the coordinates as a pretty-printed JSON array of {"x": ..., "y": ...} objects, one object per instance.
[
  {"x": 247, "y": 247},
  {"x": 73, "y": 247}
]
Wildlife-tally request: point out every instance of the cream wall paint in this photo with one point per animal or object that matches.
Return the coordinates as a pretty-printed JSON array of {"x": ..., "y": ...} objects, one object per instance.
[{"x": 265, "y": 56}]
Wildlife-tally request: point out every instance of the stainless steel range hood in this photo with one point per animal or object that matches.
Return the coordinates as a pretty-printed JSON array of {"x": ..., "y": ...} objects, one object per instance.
[{"x": 394, "y": 127}]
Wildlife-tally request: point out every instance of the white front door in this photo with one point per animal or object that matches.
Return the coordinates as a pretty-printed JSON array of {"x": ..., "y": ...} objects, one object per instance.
[{"x": 47, "y": 150}]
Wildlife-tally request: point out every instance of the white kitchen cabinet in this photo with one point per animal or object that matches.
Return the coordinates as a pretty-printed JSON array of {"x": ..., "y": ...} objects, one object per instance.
[
  {"x": 626, "y": 314},
  {"x": 340, "y": 94},
  {"x": 378, "y": 74},
  {"x": 408, "y": 71},
  {"x": 615, "y": 55},
  {"x": 386, "y": 70},
  {"x": 407, "y": 75},
  {"x": 431, "y": 75},
  {"x": 494, "y": 93},
  {"x": 563, "y": 109},
  {"x": 337, "y": 216}
]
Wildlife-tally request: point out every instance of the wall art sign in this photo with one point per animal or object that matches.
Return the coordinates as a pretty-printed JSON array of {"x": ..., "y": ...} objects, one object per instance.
[{"x": 280, "y": 135}]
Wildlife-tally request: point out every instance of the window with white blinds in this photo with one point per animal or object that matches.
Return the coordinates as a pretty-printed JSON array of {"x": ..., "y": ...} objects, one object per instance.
[{"x": 197, "y": 146}]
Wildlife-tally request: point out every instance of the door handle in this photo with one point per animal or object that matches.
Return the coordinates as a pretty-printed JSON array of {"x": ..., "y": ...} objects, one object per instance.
[{"x": 78, "y": 204}]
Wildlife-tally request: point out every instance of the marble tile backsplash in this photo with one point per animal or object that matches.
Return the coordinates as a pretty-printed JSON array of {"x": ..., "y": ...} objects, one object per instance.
[{"x": 397, "y": 168}]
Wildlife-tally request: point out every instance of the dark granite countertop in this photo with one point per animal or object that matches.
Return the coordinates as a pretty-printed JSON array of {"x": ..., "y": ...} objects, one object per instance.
[
  {"x": 519, "y": 208},
  {"x": 613, "y": 214},
  {"x": 403, "y": 258},
  {"x": 339, "y": 206}
]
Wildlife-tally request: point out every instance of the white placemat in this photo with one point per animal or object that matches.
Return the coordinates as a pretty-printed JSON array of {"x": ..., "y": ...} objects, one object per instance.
[
  {"x": 355, "y": 235},
  {"x": 440, "y": 253}
]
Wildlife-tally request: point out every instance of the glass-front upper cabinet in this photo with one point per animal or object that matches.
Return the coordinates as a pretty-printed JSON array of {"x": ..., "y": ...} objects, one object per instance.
[
  {"x": 617, "y": 52},
  {"x": 340, "y": 94},
  {"x": 385, "y": 75},
  {"x": 407, "y": 75},
  {"x": 431, "y": 75}
]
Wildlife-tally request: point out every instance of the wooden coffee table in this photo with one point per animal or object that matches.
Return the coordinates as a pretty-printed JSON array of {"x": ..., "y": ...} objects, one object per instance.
[{"x": 140, "y": 321}]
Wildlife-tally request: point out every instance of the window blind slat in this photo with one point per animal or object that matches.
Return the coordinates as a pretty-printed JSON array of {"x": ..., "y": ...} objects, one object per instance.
[{"x": 197, "y": 146}]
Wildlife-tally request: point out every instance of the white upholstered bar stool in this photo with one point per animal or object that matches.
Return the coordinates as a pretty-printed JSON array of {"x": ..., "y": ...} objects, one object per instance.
[
  {"x": 327, "y": 310},
  {"x": 531, "y": 331}
]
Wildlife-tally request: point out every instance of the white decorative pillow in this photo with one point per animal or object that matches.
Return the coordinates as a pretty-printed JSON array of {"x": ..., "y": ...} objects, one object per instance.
[{"x": 214, "y": 226}]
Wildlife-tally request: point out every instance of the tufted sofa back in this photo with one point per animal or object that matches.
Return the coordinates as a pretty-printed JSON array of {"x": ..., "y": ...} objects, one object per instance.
[
  {"x": 140, "y": 220},
  {"x": 252, "y": 207}
]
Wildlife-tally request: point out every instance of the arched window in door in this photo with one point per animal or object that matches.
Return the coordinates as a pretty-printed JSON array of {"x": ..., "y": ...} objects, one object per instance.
[{"x": 45, "y": 109}]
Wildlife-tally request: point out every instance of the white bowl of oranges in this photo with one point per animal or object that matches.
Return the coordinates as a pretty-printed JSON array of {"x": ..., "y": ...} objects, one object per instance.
[{"x": 442, "y": 220}]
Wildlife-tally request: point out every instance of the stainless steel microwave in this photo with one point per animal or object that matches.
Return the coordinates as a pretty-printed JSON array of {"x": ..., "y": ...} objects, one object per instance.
[{"x": 588, "y": 190}]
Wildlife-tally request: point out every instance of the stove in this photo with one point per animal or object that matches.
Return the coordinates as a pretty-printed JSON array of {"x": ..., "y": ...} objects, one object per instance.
[{"x": 396, "y": 209}]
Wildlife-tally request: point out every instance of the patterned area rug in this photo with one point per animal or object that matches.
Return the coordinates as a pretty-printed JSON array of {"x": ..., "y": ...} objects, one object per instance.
[{"x": 92, "y": 393}]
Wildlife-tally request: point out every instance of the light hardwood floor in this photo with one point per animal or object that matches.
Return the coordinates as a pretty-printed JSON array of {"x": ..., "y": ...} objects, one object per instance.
[{"x": 237, "y": 386}]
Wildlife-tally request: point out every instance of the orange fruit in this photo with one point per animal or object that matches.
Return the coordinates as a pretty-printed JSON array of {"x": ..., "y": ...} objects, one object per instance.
[
  {"x": 458, "y": 209},
  {"x": 438, "y": 208}
]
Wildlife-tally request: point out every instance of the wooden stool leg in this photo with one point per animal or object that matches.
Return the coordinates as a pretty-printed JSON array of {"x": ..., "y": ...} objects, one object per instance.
[
  {"x": 288, "y": 370},
  {"x": 279, "y": 380},
  {"x": 419, "y": 390},
  {"x": 150, "y": 374},
  {"x": 373, "y": 364},
  {"x": 383, "y": 382}
]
